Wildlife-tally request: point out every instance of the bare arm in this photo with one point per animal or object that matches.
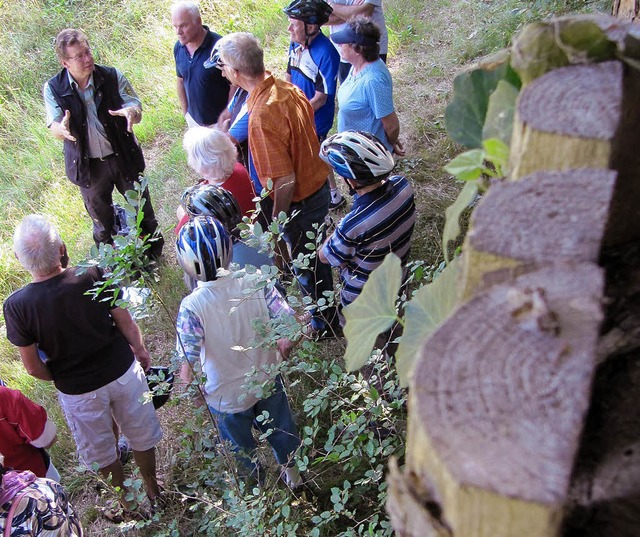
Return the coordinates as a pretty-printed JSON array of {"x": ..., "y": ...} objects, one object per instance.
[
  {"x": 318, "y": 100},
  {"x": 321, "y": 256},
  {"x": 32, "y": 363},
  {"x": 283, "y": 193},
  {"x": 344, "y": 13},
  {"x": 182, "y": 96},
  {"x": 131, "y": 332},
  {"x": 391, "y": 125}
]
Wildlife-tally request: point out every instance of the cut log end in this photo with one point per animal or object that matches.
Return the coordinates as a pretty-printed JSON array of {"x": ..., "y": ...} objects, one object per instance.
[
  {"x": 544, "y": 217},
  {"x": 503, "y": 385},
  {"x": 582, "y": 101}
]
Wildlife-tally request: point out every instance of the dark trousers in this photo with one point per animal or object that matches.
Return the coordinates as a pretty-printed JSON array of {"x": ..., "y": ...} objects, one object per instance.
[
  {"x": 284, "y": 439},
  {"x": 104, "y": 176},
  {"x": 317, "y": 278}
]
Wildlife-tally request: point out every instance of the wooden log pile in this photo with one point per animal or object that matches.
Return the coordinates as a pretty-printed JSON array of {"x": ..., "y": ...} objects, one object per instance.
[{"x": 523, "y": 408}]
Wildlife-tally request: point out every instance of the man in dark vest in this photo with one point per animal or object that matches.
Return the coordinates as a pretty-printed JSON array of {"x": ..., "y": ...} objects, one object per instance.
[{"x": 93, "y": 108}]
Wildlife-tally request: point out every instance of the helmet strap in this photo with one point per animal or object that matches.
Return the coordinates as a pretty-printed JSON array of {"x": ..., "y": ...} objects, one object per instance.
[{"x": 308, "y": 36}]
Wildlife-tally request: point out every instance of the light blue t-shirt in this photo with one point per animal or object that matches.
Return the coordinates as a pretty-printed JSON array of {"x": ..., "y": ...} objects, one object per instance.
[{"x": 364, "y": 99}]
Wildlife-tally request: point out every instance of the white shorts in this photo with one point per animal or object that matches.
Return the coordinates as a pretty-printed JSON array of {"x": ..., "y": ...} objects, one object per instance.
[{"x": 90, "y": 416}]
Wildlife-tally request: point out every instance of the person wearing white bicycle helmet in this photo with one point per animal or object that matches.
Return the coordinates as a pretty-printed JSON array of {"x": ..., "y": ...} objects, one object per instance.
[
  {"x": 215, "y": 329},
  {"x": 383, "y": 214}
]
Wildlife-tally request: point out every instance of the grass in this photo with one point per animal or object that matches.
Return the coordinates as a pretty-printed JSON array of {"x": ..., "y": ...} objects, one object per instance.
[{"x": 429, "y": 42}]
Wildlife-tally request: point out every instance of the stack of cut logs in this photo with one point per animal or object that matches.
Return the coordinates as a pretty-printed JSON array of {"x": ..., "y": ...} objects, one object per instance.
[{"x": 524, "y": 413}]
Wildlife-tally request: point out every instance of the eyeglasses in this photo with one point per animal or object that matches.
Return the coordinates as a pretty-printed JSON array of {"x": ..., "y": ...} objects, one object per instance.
[
  {"x": 81, "y": 56},
  {"x": 219, "y": 63}
]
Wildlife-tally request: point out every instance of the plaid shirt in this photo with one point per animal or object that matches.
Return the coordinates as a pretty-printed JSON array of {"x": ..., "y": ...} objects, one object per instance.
[{"x": 282, "y": 137}]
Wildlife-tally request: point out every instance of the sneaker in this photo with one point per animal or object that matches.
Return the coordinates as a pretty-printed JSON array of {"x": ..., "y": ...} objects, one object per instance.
[
  {"x": 336, "y": 203},
  {"x": 292, "y": 477}
]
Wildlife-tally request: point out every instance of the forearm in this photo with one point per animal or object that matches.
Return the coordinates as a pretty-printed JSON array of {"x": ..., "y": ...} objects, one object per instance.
[
  {"x": 182, "y": 96},
  {"x": 33, "y": 364},
  {"x": 283, "y": 188},
  {"x": 318, "y": 100},
  {"x": 130, "y": 330},
  {"x": 346, "y": 12},
  {"x": 391, "y": 126}
]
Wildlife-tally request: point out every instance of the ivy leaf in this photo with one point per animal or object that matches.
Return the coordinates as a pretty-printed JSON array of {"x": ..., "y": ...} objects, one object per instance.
[
  {"x": 499, "y": 119},
  {"x": 587, "y": 39},
  {"x": 373, "y": 312},
  {"x": 430, "y": 305},
  {"x": 465, "y": 115},
  {"x": 467, "y": 166},
  {"x": 452, "y": 215}
]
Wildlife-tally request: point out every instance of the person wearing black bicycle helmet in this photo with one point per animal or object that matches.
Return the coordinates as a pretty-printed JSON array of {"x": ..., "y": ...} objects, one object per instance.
[
  {"x": 313, "y": 67},
  {"x": 211, "y": 200},
  {"x": 226, "y": 191},
  {"x": 383, "y": 214},
  {"x": 217, "y": 202}
]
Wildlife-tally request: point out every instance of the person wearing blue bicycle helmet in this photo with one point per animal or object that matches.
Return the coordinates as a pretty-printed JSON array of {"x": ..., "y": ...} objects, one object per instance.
[{"x": 216, "y": 334}]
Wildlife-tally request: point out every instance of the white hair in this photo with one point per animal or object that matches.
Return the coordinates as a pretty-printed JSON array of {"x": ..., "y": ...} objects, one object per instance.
[
  {"x": 37, "y": 245},
  {"x": 210, "y": 152},
  {"x": 190, "y": 7}
]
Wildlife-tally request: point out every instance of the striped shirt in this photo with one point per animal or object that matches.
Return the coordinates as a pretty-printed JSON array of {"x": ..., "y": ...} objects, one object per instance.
[{"x": 380, "y": 222}]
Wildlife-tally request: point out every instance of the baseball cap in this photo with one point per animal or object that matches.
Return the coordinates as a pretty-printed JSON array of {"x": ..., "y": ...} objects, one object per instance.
[{"x": 348, "y": 35}]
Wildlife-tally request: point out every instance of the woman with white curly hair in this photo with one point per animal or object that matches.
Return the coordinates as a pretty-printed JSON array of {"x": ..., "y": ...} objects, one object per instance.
[{"x": 212, "y": 154}]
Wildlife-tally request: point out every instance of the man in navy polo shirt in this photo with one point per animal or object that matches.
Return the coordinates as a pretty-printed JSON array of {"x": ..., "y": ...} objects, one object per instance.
[{"x": 203, "y": 93}]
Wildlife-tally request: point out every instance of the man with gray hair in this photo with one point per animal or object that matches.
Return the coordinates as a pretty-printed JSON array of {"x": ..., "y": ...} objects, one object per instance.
[
  {"x": 203, "y": 93},
  {"x": 94, "y": 354},
  {"x": 284, "y": 148}
]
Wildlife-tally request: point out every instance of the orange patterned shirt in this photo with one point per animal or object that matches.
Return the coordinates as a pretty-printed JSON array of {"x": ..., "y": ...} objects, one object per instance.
[{"x": 282, "y": 137}]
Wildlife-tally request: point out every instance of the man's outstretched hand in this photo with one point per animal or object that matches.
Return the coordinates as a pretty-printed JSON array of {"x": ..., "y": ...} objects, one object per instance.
[
  {"x": 63, "y": 127},
  {"x": 131, "y": 113}
]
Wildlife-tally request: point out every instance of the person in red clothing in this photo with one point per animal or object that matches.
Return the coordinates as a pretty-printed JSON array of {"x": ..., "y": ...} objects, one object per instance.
[
  {"x": 25, "y": 432},
  {"x": 212, "y": 154}
]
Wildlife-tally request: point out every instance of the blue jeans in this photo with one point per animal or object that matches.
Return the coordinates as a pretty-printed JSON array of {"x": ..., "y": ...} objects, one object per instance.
[{"x": 284, "y": 439}]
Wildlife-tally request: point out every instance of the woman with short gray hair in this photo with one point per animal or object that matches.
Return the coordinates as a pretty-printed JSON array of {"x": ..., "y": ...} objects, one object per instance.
[{"x": 212, "y": 154}]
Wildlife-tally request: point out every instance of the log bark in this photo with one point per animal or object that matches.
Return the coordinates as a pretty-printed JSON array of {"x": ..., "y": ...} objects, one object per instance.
[
  {"x": 497, "y": 404},
  {"x": 545, "y": 217},
  {"x": 584, "y": 116},
  {"x": 567, "y": 119},
  {"x": 626, "y": 9}
]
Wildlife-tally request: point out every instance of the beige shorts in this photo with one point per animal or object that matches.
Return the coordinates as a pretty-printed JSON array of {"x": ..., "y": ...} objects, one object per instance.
[{"x": 90, "y": 415}]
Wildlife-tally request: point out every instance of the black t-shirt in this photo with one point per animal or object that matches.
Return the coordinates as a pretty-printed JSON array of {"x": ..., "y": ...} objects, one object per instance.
[{"x": 84, "y": 348}]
